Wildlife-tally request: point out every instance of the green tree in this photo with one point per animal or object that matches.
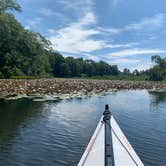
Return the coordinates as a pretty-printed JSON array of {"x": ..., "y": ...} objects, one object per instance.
[
  {"x": 89, "y": 67},
  {"x": 114, "y": 70},
  {"x": 156, "y": 74},
  {"x": 56, "y": 59},
  {"x": 156, "y": 59},
  {"x": 136, "y": 72},
  {"x": 22, "y": 52},
  {"x": 126, "y": 71},
  {"x": 6, "y": 5},
  {"x": 65, "y": 70},
  {"x": 158, "y": 71},
  {"x": 74, "y": 65}
]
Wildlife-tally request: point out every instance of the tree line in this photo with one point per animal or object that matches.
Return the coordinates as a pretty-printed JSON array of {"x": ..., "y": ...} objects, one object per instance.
[
  {"x": 25, "y": 53},
  {"x": 156, "y": 73}
]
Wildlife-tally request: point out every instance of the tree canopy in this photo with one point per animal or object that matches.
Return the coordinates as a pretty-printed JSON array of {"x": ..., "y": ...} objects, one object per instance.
[
  {"x": 25, "y": 53},
  {"x": 6, "y": 5},
  {"x": 158, "y": 72}
]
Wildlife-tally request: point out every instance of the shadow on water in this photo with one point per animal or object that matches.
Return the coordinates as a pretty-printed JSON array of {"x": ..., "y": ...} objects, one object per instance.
[
  {"x": 14, "y": 114},
  {"x": 156, "y": 99}
]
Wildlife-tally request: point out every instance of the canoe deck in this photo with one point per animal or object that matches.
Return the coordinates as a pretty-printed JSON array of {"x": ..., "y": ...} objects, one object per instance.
[{"x": 122, "y": 153}]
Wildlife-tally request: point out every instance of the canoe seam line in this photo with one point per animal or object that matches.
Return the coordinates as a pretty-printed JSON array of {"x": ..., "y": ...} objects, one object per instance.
[
  {"x": 113, "y": 159},
  {"x": 123, "y": 145}
]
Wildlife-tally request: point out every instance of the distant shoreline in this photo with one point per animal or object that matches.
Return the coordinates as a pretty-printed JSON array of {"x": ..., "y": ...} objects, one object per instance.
[{"x": 16, "y": 88}]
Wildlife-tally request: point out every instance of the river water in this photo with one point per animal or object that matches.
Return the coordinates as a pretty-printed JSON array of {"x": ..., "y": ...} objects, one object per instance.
[{"x": 55, "y": 133}]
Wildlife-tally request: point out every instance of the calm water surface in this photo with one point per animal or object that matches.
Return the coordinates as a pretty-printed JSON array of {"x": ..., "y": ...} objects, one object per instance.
[{"x": 56, "y": 133}]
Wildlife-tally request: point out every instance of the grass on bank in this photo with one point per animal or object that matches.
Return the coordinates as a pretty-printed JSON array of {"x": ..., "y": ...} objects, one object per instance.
[{"x": 105, "y": 77}]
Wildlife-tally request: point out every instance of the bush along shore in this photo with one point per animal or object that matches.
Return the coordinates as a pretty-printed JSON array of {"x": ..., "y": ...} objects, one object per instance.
[{"x": 60, "y": 87}]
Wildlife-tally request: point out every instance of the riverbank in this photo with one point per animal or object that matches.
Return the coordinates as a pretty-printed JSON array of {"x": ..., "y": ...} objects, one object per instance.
[{"x": 14, "y": 88}]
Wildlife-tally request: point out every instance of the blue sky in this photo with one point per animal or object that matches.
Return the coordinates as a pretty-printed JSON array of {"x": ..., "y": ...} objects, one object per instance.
[{"x": 122, "y": 32}]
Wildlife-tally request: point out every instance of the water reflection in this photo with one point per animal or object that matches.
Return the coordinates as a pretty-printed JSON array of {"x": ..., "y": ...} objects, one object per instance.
[
  {"x": 156, "y": 99},
  {"x": 15, "y": 114},
  {"x": 57, "y": 132}
]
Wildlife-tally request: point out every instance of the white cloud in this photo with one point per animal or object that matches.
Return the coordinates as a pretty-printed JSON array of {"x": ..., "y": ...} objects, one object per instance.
[
  {"x": 47, "y": 12},
  {"x": 76, "y": 4},
  {"x": 34, "y": 23},
  {"x": 110, "y": 31},
  {"x": 141, "y": 66},
  {"x": 76, "y": 7},
  {"x": 51, "y": 31},
  {"x": 121, "y": 45},
  {"x": 124, "y": 60},
  {"x": 76, "y": 38},
  {"x": 136, "y": 51},
  {"x": 57, "y": 15},
  {"x": 149, "y": 23},
  {"x": 92, "y": 57},
  {"x": 145, "y": 24},
  {"x": 132, "y": 64}
]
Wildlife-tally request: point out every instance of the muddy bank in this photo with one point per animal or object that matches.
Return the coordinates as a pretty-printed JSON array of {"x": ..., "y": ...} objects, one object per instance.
[{"x": 13, "y": 88}]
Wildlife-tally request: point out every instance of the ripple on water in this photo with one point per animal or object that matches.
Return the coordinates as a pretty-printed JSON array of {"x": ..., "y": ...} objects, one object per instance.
[{"x": 57, "y": 132}]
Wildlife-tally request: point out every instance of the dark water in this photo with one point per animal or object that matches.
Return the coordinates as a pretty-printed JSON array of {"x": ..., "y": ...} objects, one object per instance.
[{"x": 56, "y": 133}]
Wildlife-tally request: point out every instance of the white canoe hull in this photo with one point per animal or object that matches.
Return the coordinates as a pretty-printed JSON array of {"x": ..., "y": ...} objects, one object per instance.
[
  {"x": 123, "y": 153},
  {"x": 95, "y": 150}
]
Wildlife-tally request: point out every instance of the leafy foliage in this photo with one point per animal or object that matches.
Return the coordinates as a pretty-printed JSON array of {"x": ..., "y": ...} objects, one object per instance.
[
  {"x": 6, "y": 5},
  {"x": 21, "y": 51},
  {"x": 27, "y": 54},
  {"x": 158, "y": 72}
]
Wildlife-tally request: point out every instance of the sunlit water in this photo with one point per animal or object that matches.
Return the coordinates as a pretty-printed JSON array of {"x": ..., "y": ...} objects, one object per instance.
[{"x": 56, "y": 133}]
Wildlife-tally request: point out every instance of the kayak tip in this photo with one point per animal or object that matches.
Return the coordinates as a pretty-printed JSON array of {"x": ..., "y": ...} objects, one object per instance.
[
  {"x": 106, "y": 111},
  {"x": 106, "y": 107}
]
